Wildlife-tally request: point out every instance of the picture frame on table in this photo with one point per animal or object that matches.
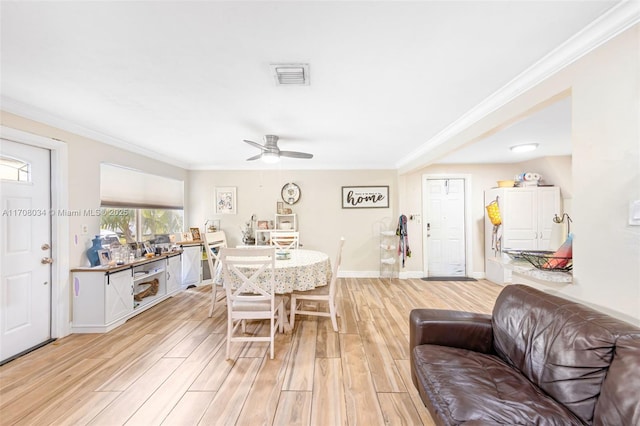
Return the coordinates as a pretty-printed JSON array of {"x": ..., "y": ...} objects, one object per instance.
[
  {"x": 263, "y": 224},
  {"x": 365, "y": 197},
  {"x": 104, "y": 256},
  {"x": 195, "y": 234},
  {"x": 280, "y": 207},
  {"x": 225, "y": 200},
  {"x": 187, "y": 236}
]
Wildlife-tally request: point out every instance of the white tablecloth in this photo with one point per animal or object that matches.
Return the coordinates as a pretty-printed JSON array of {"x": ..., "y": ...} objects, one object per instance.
[{"x": 305, "y": 270}]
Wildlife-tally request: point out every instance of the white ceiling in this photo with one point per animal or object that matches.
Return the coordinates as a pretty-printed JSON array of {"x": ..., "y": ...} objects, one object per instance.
[{"x": 187, "y": 81}]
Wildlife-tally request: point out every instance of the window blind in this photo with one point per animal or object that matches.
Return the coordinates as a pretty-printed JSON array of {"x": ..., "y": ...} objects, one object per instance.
[{"x": 124, "y": 187}]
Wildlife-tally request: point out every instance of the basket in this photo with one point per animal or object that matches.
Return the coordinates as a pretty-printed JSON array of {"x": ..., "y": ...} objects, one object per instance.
[{"x": 546, "y": 261}]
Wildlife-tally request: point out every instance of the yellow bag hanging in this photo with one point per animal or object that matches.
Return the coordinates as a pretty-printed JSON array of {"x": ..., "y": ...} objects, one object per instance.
[{"x": 493, "y": 210}]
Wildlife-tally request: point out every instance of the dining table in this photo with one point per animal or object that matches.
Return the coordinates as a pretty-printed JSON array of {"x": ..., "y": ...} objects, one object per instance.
[{"x": 298, "y": 269}]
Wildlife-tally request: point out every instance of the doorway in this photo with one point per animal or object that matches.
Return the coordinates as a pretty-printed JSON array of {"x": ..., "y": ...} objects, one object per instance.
[
  {"x": 25, "y": 277},
  {"x": 445, "y": 227}
]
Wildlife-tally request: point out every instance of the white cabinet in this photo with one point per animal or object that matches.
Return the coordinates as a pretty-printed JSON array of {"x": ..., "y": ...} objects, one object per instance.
[
  {"x": 118, "y": 296},
  {"x": 105, "y": 298},
  {"x": 527, "y": 217},
  {"x": 174, "y": 274},
  {"x": 191, "y": 265},
  {"x": 388, "y": 254}
]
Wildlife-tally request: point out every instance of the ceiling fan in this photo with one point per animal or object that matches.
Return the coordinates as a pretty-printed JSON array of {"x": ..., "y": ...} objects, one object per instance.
[{"x": 270, "y": 151}]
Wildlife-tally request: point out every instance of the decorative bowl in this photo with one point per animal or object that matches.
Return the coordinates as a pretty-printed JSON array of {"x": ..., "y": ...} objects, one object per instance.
[{"x": 285, "y": 225}]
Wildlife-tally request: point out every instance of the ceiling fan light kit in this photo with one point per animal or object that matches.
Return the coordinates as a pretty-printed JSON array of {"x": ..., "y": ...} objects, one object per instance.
[{"x": 271, "y": 153}]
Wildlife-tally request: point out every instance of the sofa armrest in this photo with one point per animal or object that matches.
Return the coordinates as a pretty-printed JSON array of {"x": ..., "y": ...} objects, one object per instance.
[{"x": 465, "y": 330}]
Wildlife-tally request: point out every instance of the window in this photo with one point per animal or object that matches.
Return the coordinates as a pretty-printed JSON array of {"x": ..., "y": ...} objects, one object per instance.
[
  {"x": 14, "y": 169},
  {"x": 138, "y": 206},
  {"x": 131, "y": 225}
]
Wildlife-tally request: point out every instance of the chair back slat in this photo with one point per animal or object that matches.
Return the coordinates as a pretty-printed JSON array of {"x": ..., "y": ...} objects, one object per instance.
[
  {"x": 285, "y": 239},
  {"x": 243, "y": 271}
]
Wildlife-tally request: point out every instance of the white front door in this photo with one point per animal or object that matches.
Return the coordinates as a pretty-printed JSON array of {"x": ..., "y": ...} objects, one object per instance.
[
  {"x": 25, "y": 233},
  {"x": 444, "y": 227}
]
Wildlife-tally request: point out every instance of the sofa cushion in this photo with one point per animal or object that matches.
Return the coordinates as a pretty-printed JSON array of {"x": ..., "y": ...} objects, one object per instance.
[
  {"x": 561, "y": 346},
  {"x": 465, "y": 387},
  {"x": 619, "y": 402}
]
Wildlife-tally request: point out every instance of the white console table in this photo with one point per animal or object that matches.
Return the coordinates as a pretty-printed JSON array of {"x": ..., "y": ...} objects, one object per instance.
[{"x": 103, "y": 297}]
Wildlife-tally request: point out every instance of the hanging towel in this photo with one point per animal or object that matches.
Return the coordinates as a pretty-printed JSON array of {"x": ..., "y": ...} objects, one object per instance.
[{"x": 403, "y": 245}]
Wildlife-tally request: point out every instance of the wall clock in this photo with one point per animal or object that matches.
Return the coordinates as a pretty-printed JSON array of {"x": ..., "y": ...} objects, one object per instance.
[{"x": 290, "y": 193}]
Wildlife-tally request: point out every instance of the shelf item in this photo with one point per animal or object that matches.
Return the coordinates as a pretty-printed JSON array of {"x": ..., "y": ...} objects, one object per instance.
[
  {"x": 388, "y": 254},
  {"x": 286, "y": 222},
  {"x": 282, "y": 223}
]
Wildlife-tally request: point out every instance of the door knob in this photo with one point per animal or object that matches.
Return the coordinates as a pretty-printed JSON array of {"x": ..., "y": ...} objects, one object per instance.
[
  {"x": 45, "y": 246},
  {"x": 46, "y": 260}
]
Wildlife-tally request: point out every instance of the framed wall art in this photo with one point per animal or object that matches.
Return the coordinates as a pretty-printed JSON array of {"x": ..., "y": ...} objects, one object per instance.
[
  {"x": 225, "y": 200},
  {"x": 365, "y": 197}
]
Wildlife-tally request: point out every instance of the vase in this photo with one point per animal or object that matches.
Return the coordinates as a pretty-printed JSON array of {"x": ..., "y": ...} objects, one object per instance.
[{"x": 92, "y": 252}]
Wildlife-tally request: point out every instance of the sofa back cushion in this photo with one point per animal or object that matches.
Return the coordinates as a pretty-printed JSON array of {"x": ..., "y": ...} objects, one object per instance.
[{"x": 565, "y": 348}]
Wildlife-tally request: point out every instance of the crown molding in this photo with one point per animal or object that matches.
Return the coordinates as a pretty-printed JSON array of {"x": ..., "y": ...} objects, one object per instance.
[
  {"x": 610, "y": 24},
  {"x": 36, "y": 114}
]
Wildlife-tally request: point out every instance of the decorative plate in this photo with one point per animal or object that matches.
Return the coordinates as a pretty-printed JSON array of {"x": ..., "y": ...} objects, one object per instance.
[{"x": 290, "y": 193}]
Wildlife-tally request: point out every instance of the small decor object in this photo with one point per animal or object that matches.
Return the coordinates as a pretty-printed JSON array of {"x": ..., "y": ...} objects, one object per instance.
[
  {"x": 365, "y": 197},
  {"x": 280, "y": 207},
  {"x": 493, "y": 211},
  {"x": 263, "y": 224},
  {"x": 225, "y": 200},
  {"x": 147, "y": 289},
  {"x": 92, "y": 252},
  {"x": 195, "y": 234},
  {"x": 506, "y": 183},
  {"x": 290, "y": 193},
  {"x": 104, "y": 256}
]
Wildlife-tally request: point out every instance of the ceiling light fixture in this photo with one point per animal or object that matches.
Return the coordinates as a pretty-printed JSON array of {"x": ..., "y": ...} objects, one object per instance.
[
  {"x": 526, "y": 147},
  {"x": 270, "y": 157}
]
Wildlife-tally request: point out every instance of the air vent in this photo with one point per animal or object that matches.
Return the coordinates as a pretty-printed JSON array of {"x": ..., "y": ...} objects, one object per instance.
[{"x": 291, "y": 74}]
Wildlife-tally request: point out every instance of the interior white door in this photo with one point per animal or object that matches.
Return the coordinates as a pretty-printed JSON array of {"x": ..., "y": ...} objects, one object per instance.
[
  {"x": 25, "y": 277},
  {"x": 444, "y": 228}
]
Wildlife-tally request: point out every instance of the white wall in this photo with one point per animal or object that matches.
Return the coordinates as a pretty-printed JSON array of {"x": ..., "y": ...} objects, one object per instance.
[
  {"x": 85, "y": 156},
  {"x": 605, "y": 89},
  {"x": 321, "y": 218},
  {"x": 483, "y": 177}
]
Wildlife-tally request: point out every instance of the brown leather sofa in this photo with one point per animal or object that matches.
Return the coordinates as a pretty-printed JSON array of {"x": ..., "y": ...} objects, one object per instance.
[{"x": 538, "y": 359}]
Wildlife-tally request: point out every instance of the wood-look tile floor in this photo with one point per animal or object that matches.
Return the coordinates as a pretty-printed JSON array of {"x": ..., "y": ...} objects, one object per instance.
[{"x": 167, "y": 365}]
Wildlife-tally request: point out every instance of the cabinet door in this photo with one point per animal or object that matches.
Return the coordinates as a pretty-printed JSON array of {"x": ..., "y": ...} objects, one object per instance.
[
  {"x": 118, "y": 295},
  {"x": 174, "y": 274},
  {"x": 520, "y": 219},
  {"x": 548, "y": 206},
  {"x": 191, "y": 264}
]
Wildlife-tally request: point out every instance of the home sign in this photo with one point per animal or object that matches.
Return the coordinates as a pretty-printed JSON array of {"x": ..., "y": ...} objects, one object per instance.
[{"x": 365, "y": 197}]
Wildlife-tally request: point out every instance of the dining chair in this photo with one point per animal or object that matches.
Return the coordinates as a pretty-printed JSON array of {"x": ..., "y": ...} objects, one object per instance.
[
  {"x": 325, "y": 293},
  {"x": 213, "y": 242},
  {"x": 249, "y": 277},
  {"x": 285, "y": 239}
]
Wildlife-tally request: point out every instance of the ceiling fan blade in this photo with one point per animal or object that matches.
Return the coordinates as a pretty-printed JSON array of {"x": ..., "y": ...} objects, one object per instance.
[
  {"x": 295, "y": 154},
  {"x": 255, "y": 157},
  {"x": 257, "y": 145}
]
